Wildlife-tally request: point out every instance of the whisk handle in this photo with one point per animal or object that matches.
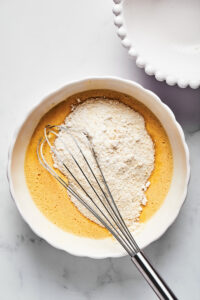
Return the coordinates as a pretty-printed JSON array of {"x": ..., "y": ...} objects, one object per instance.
[{"x": 155, "y": 281}]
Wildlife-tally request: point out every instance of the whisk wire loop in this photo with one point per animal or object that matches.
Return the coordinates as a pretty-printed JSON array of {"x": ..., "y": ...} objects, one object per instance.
[{"x": 128, "y": 246}]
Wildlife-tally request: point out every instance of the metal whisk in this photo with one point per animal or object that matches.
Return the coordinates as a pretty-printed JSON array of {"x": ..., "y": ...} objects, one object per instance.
[{"x": 107, "y": 214}]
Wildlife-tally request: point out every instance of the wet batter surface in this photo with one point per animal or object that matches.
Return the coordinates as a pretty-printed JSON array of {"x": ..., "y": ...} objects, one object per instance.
[{"x": 52, "y": 199}]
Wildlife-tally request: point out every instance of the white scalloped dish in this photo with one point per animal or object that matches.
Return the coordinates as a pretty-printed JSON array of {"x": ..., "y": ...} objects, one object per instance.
[
  {"x": 82, "y": 246},
  {"x": 164, "y": 36}
]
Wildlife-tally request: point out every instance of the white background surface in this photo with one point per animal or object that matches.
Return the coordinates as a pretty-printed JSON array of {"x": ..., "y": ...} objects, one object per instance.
[{"x": 45, "y": 44}]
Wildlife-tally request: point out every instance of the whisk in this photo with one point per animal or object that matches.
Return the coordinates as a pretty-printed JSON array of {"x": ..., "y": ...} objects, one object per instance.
[{"x": 107, "y": 213}]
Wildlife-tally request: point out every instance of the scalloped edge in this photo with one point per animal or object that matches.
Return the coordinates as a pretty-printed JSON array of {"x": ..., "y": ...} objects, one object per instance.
[
  {"x": 185, "y": 147},
  {"x": 140, "y": 61}
]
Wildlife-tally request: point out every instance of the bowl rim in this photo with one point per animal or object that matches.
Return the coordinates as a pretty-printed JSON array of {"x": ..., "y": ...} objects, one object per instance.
[
  {"x": 140, "y": 61},
  {"x": 43, "y": 99}
]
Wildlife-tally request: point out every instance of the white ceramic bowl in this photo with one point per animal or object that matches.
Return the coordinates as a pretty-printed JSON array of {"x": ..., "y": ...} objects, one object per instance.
[
  {"x": 81, "y": 246},
  {"x": 163, "y": 36}
]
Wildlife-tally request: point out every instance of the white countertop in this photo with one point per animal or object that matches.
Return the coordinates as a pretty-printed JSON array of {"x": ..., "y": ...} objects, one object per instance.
[{"x": 45, "y": 44}]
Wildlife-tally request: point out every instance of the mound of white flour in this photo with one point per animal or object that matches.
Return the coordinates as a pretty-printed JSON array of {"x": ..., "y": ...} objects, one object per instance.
[{"x": 124, "y": 149}]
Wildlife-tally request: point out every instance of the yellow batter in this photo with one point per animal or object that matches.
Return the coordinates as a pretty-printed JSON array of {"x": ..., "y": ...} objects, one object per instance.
[{"x": 52, "y": 199}]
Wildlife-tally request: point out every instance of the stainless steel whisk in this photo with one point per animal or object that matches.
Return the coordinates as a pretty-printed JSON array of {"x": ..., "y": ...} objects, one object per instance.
[{"x": 109, "y": 216}]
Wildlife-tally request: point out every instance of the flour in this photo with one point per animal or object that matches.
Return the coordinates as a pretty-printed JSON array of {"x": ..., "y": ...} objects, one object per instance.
[{"x": 124, "y": 149}]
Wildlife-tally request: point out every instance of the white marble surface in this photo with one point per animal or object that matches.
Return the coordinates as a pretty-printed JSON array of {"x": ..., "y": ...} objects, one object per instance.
[{"x": 44, "y": 44}]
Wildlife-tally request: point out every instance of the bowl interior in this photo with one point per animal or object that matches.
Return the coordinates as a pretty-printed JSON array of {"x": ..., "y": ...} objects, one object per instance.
[
  {"x": 165, "y": 36},
  {"x": 81, "y": 246}
]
